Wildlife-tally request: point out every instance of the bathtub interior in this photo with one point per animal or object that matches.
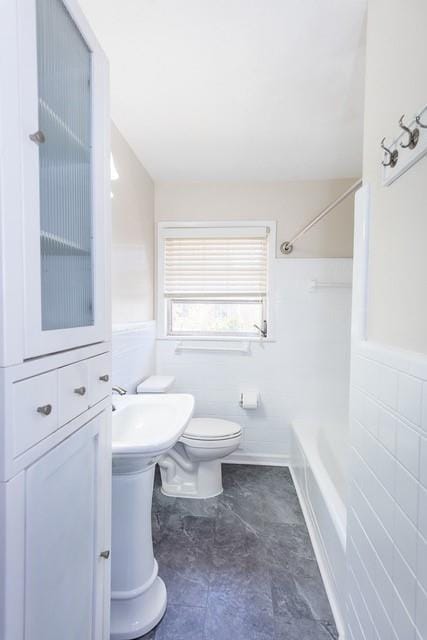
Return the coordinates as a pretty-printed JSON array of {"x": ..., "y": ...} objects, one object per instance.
[{"x": 333, "y": 448}]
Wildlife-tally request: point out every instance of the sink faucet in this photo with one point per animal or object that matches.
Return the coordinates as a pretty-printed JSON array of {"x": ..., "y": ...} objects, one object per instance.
[{"x": 120, "y": 390}]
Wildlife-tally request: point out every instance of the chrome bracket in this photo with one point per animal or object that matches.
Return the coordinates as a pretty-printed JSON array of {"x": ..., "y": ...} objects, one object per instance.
[{"x": 286, "y": 248}]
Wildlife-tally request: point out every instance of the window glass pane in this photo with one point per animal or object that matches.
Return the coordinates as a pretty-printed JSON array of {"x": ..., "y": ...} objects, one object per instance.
[
  {"x": 64, "y": 87},
  {"x": 221, "y": 317}
]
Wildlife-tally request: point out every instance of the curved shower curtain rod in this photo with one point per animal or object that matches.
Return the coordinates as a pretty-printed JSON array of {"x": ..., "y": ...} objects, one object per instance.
[{"x": 287, "y": 246}]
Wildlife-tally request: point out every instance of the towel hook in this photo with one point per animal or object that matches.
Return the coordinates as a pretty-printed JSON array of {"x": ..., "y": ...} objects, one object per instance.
[
  {"x": 414, "y": 135},
  {"x": 419, "y": 123},
  {"x": 393, "y": 156}
]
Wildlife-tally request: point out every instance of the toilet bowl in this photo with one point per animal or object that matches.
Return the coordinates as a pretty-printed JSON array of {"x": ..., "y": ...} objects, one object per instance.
[{"x": 192, "y": 468}]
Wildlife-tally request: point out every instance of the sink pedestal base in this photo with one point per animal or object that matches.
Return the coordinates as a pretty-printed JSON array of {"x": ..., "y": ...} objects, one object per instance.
[{"x": 138, "y": 598}]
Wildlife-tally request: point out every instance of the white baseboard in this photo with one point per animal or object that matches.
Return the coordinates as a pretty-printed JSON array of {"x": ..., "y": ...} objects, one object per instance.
[
  {"x": 321, "y": 558},
  {"x": 266, "y": 459}
]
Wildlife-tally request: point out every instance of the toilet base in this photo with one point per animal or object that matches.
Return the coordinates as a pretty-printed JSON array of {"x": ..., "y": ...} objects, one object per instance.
[{"x": 204, "y": 480}]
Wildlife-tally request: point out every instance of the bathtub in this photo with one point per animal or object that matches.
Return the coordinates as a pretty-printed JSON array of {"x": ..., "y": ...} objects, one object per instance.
[{"x": 318, "y": 466}]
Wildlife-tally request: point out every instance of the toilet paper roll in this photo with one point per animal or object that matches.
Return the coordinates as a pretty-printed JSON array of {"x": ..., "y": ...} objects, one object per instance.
[{"x": 249, "y": 400}]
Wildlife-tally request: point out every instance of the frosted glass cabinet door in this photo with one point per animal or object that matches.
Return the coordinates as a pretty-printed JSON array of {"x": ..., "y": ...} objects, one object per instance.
[
  {"x": 65, "y": 163},
  {"x": 65, "y": 119}
]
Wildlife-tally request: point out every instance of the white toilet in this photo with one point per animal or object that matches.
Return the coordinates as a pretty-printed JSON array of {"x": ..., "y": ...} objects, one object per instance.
[{"x": 192, "y": 468}]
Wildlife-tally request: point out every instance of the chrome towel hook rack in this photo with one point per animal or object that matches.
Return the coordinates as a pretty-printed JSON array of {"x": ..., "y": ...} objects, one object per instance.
[
  {"x": 419, "y": 123},
  {"x": 393, "y": 156},
  {"x": 414, "y": 135},
  {"x": 409, "y": 145}
]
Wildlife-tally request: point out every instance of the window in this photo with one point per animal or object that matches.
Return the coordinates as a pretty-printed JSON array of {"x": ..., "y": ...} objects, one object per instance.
[{"x": 213, "y": 281}]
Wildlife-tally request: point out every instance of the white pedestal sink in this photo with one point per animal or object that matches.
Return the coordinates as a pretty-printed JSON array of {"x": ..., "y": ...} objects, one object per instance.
[{"x": 144, "y": 428}]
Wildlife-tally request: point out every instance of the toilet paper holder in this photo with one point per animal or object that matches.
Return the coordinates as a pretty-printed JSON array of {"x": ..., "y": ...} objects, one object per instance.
[{"x": 251, "y": 401}]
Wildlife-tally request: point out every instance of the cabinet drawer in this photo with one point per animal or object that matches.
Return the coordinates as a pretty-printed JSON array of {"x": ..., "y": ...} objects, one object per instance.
[
  {"x": 35, "y": 410},
  {"x": 99, "y": 378},
  {"x": 73, "y": 391}
]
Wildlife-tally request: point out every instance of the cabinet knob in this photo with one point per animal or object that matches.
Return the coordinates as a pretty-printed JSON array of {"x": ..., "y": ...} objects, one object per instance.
[
  {"x": 38, "y": 137},
  {"x": 104, "y": 378},
  {"x": 105, "y": 554},
  {"x": 80, "y": 391},
  {"x": 45, "y": 410}
]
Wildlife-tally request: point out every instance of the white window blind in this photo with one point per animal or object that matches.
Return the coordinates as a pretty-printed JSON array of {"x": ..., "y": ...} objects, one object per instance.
[{"x": 214, "y": 262}]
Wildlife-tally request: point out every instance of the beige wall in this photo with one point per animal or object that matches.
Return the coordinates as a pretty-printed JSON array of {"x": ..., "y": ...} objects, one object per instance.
[
  {"x": 396, "y": 84},
  {"x": 292, "y": 204},
  {"x": 133, "y": 235}
]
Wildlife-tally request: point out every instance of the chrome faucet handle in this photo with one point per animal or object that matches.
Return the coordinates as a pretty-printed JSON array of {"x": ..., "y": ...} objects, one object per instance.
[
  {"x": 120, "y": 390},
  {"x": 262, "y": 331}
]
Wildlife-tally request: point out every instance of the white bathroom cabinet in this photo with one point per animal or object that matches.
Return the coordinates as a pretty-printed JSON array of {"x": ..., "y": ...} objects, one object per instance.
[
  {"x": 54, "y": 180},
  {"x": 55, "y": 360},
  {"x": 64, "y": 572},
  {"x": 55, "y": 497}
]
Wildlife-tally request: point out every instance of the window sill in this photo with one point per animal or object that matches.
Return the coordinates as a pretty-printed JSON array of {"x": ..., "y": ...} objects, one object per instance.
[{"x": 214, "y": 339}]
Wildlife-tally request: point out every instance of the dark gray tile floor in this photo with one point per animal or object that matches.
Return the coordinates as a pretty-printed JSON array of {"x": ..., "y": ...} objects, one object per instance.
[{"x": 241, "y": 565}]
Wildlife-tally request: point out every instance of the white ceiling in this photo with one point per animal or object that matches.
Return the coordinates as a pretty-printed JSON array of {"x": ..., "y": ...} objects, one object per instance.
[{"x": 237, "y": 89}]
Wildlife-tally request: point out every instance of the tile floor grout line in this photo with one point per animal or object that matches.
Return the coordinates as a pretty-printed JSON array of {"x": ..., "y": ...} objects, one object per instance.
[{"x": 282, "y": 546}]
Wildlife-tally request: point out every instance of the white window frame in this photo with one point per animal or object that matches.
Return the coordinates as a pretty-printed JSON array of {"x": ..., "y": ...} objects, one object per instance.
[{"x": 162, "y": 302}]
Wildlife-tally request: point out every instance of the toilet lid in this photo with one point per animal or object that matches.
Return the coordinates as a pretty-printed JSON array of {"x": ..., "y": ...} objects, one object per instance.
[{"x": 211, "y": 429}]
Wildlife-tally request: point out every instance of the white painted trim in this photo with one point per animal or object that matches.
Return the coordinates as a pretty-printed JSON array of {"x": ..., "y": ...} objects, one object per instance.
[
  {"x": 11, "y": 193},
  {"x": 410, "y": 362},
  {"x": 177, "y": 224},
  {"x": 159, "y": 297},
  {"x": 362, "y": 217},
  {"x": 263, "y": 459},
  {"x": 215, "y": 339},
  {"x": 321, "y": 557},
  {"x": 36, "y": 341},
  {"x": 132, "y": 327}
]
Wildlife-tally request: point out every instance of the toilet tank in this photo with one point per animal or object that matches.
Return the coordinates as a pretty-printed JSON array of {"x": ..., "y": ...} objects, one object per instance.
[{"x": 156, "y": 384}]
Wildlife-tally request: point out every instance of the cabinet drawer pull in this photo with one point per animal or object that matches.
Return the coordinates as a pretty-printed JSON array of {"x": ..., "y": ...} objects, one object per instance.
[
  {"x": 80, "y": 391},
  {"x": 45, "y": 410},
  {"x": 104, "y": 378},
  {"x": 105, "y": 554},
  {"x": 38, "y": 137}
]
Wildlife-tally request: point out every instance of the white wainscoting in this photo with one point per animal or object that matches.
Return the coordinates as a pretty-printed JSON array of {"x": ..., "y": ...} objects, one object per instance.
[
  {"x": 303, "y": 375},
  {"x": 133, "y": 349},
  {"x": 387, "y": 515}
]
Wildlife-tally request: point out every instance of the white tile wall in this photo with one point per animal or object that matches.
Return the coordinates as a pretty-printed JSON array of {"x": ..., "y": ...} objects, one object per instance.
[
  {"x": 302, "y": 376},
  {"x": 133, "y": 349},
  {"x": 387, "y": 523}
]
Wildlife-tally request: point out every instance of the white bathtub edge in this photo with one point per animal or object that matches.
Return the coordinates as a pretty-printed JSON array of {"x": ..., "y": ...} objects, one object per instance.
[
  {"x": 322, "y": 561},
  {"x": 299, "y": 467}
]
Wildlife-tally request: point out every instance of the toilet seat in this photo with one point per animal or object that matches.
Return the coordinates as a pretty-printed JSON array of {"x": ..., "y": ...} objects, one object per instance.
[{"x": 210, "y": 430}]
